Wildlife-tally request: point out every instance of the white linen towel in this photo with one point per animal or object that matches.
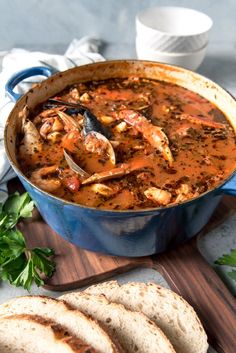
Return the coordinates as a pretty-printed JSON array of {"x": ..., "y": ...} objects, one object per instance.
[{"x": 79, "y": 52}]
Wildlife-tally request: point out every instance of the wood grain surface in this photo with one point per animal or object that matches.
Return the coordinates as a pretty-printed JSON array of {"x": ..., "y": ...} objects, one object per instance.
[
  {"x": 189, "y": 275},
  {"x": 77, "y": 267},
  {"x": 184, "y": 269}
]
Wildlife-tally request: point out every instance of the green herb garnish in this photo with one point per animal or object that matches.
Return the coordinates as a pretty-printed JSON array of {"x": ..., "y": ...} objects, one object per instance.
[
  {"x": 229, "y": 260},
  {"x": 19, "y": 265}
]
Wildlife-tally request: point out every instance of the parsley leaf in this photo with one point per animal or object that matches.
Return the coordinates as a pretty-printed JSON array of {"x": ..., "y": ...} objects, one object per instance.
[
  {"x": 41, "y": 261},
  {"x": 12, "y": 243},
  {"x": 229, "y": 260},
  {"x": 17, "y": 206},
  {"x": 11, "y": 268},
  {"x": 19, "y": 265}
]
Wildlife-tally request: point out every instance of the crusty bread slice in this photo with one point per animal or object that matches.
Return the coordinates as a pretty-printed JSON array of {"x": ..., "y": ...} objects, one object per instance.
[
  {"x": 75, "y": 322},
  {"x": 135, "y": 332},
  {"x": 168, "y": 310},
  {"x": 32, "y": 333}
]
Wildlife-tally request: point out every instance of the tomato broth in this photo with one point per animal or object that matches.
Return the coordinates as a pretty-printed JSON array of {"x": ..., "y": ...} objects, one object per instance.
[{"x": 163, "y": 144}]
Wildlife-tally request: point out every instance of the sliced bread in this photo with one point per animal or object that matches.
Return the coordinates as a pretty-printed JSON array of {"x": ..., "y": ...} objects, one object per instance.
[
  {"x": 75, "y": 322},
  {"x": 135, "y": 332},
  {"x": 168, "y": 310},
  {"x": 32, "y": 333}
]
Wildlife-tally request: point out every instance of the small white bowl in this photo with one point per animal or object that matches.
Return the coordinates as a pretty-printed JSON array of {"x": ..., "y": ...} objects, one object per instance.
[
  {"x": 189, "y": 61},
  {"x": 173, "y": 29}
]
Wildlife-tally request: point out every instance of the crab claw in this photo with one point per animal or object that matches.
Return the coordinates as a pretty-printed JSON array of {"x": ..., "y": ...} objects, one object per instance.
[{"x": 152, "y": 133}]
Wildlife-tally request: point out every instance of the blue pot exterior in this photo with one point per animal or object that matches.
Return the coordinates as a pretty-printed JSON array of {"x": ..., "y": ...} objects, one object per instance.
[
  {"x": 125, "y": 233},
  {"x": 131, "y": 233}
]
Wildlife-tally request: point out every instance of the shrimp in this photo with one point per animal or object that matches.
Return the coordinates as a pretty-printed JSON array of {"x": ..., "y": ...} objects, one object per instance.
[
  {"x": 41, "y": 178},
  {"x": 46, "y": 128},
  {"x": 52, "y": 124},
  {"x": 153, "y": 134},
  {"x": 70, "y": 141},
  {"x": 73, "y": 136}
]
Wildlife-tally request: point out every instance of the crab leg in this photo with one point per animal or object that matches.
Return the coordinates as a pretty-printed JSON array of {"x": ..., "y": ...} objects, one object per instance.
[
  {"x": 123, "y": 169},
  {"x": 153, "y": 134},
  {"x": 201, "y": 121}
]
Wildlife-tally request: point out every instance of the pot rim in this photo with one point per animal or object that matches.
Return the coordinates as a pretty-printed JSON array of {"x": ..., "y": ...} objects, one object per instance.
[{"x": 110, "y": 211}]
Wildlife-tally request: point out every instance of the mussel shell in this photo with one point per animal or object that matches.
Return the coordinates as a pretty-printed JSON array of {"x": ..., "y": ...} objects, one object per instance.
[
  {"x": 74, "y": 166},
  {"x": 69, "y": 111},
  {"x": 75, "y": 108},
  {"x": 48, "y": 105},
  {"x": 91, "y": 123},
  {"x": 110, "y": 149},
  {"x": 75, "y": 111}
]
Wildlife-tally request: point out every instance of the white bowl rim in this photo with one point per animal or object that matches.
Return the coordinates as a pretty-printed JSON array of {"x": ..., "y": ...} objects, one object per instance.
[{"x": 139, "y": 20}]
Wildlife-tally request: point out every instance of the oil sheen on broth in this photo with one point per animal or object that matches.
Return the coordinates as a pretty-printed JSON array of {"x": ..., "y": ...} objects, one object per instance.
[{"x": 142, "y": 144}]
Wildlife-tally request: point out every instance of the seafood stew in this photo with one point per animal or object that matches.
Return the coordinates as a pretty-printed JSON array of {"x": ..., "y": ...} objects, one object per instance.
[{"x": 126, "y": 144}]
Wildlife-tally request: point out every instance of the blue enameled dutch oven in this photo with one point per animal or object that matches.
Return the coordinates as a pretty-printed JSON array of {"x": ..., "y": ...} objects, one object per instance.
[{"x": 123, "y": 233}]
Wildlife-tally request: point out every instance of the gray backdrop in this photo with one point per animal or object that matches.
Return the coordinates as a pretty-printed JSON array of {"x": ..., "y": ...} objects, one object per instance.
[{"x": 51, "y": 24}]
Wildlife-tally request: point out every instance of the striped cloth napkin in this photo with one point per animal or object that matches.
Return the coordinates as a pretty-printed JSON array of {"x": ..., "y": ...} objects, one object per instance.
[{"x": 79, "y": 52}]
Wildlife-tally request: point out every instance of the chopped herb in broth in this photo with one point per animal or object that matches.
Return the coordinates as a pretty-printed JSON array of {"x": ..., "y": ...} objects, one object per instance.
[{"x": 128, "y": 144}]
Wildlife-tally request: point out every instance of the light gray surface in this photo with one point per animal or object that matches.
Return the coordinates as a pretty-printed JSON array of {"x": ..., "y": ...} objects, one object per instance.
[{"x": 51, "y": 25}]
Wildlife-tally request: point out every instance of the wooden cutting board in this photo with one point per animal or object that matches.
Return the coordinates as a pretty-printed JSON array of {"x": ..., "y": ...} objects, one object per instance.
[{"x": 184, "y": 269}]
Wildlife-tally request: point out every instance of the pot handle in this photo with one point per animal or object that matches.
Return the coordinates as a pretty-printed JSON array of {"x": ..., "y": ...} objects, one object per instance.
[
  {"x": 229, "y": 188},
  {"x": 21, "y": 75}
]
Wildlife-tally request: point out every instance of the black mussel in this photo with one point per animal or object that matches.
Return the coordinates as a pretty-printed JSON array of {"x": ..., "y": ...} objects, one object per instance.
[
  {"x": 75, "y": 111},
  {"x": 69, "y": 111},
  {"x": 92, "y": 124},
  {"x": 96, "y": 135},
  {"x": 57, "y": 102},
  {"x": 48, "y": 105}
]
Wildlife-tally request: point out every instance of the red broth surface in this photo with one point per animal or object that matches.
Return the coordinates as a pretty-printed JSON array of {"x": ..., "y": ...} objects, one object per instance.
[{"x": 170, "y": 145}]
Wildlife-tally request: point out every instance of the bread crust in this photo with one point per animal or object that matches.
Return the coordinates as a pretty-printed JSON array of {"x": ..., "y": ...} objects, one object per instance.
[
  {"x": 61, "y": 336},
  {"x": 28, "y": 305},
  {"x": 150, "y": 298},
  {"x": 108, "y": 312}
]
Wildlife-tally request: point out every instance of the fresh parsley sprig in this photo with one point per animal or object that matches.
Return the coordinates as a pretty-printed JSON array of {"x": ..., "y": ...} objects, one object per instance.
[
  {"x": 20, "y": 265},
  {"x": 228, "y": 260}
]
